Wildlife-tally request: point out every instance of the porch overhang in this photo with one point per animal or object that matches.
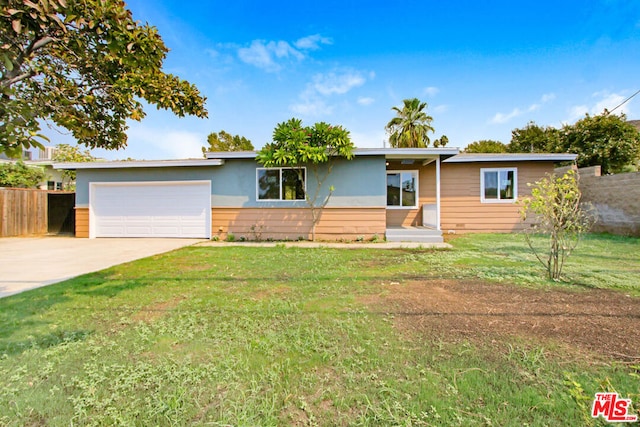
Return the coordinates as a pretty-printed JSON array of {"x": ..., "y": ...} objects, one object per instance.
[{"x": 420, "y": 157}]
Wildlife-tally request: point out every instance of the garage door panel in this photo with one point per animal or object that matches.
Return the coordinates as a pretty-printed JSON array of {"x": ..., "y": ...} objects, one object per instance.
[{"x": 151, "y": 209}]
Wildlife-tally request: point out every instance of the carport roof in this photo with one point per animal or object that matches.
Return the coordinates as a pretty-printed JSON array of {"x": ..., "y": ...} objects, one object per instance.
[{"x": 141, "y": 164}]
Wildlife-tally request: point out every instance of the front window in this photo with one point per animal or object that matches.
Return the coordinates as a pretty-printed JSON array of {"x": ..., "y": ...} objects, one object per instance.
[
  {"x": 402, "y": 189},
  {"x": 498, "y": 185},
  {"x": 281, "y": 184}
]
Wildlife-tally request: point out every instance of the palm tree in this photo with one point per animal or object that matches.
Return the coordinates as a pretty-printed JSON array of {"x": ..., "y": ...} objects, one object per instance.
[{"x": 410, "y": 127}]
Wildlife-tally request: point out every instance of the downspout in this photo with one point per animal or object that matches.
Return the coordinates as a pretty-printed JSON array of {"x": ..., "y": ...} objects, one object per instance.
[{"x": 438, "y": 193}]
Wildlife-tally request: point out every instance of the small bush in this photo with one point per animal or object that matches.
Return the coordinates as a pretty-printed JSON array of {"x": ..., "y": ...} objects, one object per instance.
[
  {"x": 231, "y": 237},
  {"x": 256, "y": 231},
  {"x": 558, "y": 215}
]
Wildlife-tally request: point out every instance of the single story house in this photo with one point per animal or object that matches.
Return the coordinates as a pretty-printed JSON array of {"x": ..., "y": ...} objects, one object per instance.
[
  {"x": 400, "y": 193},
  {"x": 53, "y": 179}
]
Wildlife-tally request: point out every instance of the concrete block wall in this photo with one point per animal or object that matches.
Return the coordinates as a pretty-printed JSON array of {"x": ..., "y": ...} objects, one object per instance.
[{"x": 616, "y": 199}]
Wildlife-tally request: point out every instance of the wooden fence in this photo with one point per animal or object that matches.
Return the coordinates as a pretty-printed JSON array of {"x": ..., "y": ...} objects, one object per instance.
[{"x": 23, "y": 212}]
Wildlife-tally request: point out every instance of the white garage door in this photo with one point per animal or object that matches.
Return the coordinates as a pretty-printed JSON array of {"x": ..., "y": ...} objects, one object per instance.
[{"x": 150, "y": 209}]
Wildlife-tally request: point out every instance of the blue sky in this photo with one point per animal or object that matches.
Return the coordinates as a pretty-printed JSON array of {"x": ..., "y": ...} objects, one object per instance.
[{"x": 483, "y": 67}]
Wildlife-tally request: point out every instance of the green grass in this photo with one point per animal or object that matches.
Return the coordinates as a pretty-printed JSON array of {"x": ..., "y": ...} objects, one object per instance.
[
  {"x": 279, "y": 336},
  {"x": 600, "y": 261}
]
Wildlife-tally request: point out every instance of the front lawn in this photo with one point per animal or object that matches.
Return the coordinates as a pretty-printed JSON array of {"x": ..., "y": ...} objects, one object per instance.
[{"x": 218, "y": 335}]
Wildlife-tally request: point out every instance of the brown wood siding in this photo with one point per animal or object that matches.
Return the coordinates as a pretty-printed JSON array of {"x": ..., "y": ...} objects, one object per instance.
[
  {"x": 23, "y": 212},
  {"x": 294, "y": 223},
  {"x": 426, "y": 194},
  {"x": 82, "y": 222},
  {"x": 404, "y": 217},
  {"x": 461, "y": 209}
]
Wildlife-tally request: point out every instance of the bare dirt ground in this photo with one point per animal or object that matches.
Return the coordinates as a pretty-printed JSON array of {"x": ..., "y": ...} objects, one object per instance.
[{"x": 590, "y": 321}]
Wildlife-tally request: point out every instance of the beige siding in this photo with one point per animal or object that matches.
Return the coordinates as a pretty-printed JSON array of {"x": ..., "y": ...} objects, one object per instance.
[
  {"x": 404, "y": 217},
  {"x": 294, "y": 223},
  {"x": 283, "y": 223},
  {"x": 426, "y": 194},
  {"x": 82, "y": 222},
  {"x": 461, "y": 210}
]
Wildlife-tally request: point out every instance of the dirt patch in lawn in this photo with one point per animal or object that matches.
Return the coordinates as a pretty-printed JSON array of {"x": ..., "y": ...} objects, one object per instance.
[
  {"x": 153, "y": 312},
  {"x": 599, "y": 321},
  {"x": 272, "y": 292}
]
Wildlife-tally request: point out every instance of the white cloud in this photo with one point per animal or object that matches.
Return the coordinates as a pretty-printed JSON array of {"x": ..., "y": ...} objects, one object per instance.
[
  {"x": 313, "y": 100},
  {"x": 500, "y": 118},
  {"x": 263, "y": 55},
  {"x": 284, "y": 50},
  {"x": 504, "y": 118},
  {"x": 602, "y": 100},
  {"x": 312, "y": 42},
  {"x": 311, "y": 107},
  {"x": 364, "y": 100},
  {"x": 610, "y": 101},
  {"x": 220, "y": 56},
  {"x": 431, "y": 91},
  {"x": 547, "y": 97},
  {"x": 270, "y": 55},
  {"x": 334, "y": 83},
  {"x": 576, "y": 112},
  {"x": 441, "y": 108}
]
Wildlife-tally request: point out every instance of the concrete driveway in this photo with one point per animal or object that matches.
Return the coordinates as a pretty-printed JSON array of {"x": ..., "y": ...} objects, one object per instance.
[{"x": 32, "y": 262}]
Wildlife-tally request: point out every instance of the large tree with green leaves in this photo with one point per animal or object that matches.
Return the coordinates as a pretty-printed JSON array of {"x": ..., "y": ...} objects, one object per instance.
[
  {"x": 411, "y": 126},
  {"x": 606, "y": 139},
  {"x": 70, "y": 153},
  {"x": 486, "y": 146},
  {"x": 312, "y": 147},
  {"x": 534, "y": 139},
  {"x": 84, "y": 65},
  {"x": 19, "y": 175},
  {"x": 223, "y": 141}
]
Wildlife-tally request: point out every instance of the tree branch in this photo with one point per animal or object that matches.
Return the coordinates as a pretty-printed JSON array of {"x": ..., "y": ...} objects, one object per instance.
[
  {"x": 42, "y": 43},
  {"x": 18, "y": 78},
  {"x": 14, "y": 77}
]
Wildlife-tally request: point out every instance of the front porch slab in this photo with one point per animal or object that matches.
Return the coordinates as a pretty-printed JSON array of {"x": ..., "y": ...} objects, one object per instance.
[{"x": 414, "y": 234}]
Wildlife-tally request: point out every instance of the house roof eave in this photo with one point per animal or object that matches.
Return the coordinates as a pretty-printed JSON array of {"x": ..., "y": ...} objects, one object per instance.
[
  {"x": 389, "y": 153},
  {"x": 139, "y": 164},
  {"x": 511, "y": 157}
]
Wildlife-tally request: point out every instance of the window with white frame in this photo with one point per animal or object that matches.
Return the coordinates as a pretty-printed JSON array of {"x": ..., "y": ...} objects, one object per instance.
[
  {"x": 499, "y": 185},
  {"x": 280, "y": 183},
  {"x": 402, "y": 189}
]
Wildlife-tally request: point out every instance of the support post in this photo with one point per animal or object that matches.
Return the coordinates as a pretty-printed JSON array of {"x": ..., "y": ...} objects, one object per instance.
[{"x": 438, "y": 193}]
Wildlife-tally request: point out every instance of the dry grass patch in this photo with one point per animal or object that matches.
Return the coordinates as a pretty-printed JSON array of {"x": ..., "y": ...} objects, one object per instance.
[{"x": 599, "y": 321}]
